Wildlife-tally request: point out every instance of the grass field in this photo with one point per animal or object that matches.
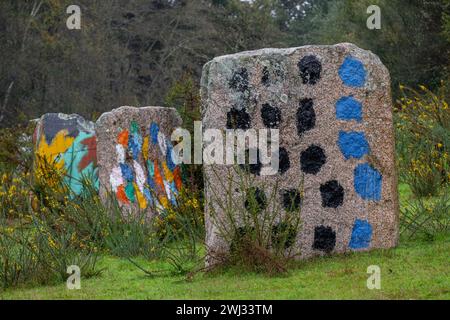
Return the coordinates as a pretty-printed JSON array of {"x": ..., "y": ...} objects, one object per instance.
[
  {"x": 413, "y": 270},
  {"x": 417, "y": 270}
]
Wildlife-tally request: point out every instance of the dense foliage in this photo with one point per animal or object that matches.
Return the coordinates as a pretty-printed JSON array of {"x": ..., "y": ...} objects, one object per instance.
[{"x": 133, "y": 52}]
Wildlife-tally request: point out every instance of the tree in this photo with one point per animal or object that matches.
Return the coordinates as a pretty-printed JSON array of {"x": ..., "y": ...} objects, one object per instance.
[{"x": 410, "y": 41}]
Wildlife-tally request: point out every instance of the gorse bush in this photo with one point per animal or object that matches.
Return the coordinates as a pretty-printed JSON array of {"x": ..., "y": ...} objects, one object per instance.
[
  {"x": 41, "y": 233},
  {"x": 15, "y": 167},
  {"x": 187, "y": 212},
  {"x": 117, "y": 232},
  {"x": 259, "y": 233},
  {"x": 37, "y": 254},
  {"x": 426, "y": 217},
  {"x": 177, "y": 234},
  {"x": 423, "y": 140},
  {"x": 35, "y": 246},
  {"x": 423, "y": 147},
  {"x": 14, "y": 194},
  {"x": 17, "y": 262},
  {"x": 44, "y": 228}
]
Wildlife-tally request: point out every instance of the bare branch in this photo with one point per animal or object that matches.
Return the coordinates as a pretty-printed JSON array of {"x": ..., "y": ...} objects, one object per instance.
[{"x": 5, "y": 101}]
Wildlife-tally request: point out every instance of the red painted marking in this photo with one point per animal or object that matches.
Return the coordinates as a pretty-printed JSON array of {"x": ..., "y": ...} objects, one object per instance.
[
  {"x": 91, "y": 155},
  {"x": 121, "y": 195},
  {"x": 158, "y": 177},
  {"x": 177, "y": 178},
  {"x": 122, "y": 138}
]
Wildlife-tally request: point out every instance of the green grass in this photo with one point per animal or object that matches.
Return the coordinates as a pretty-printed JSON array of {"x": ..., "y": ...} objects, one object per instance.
[
  {"x": 404, "y": 193},
  {"x": 415, "y": 270}
]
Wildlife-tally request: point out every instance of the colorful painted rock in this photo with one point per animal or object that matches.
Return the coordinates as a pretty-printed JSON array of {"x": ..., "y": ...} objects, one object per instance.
[
  {"x": 66, "y": 144},
  {"x": 332, "y": 106},
  {"x": 135, "y": 158}
]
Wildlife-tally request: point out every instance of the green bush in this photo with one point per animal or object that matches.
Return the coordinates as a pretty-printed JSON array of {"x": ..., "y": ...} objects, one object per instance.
[
  {"x": 261, "y": 236},
  {"x": 423, "y": 140},
  {"x": 36, "y": 250},
  {"x": 426, "y": 217},
  {"x": 44, "y": 228}
]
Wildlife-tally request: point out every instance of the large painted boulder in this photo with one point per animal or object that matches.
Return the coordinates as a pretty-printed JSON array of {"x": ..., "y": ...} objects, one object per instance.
[
  {"x": 66, "y": 144},
  {"x": 135, "y": 160},
  {"x": 332, "y": 107}
]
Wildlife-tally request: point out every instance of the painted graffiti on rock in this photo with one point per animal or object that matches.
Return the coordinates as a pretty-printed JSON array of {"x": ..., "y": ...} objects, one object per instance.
[
  {"x": 146, "y": 173},
  {"x": 333, "y": 112},
  {"x": 68, "y": 145}
]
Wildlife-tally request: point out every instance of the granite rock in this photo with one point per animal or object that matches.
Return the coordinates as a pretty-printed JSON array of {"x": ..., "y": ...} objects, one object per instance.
[
  {"x": 135, "y": 159},
  {"x": 68, "y": 143},
  {"x": 332, "y": 106}
]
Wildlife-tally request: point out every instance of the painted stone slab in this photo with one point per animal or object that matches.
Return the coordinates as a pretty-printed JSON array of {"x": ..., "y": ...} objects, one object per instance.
[
  {"x": 68, "y": 143},
  {"x": 135, "y": 158},
  {"x": 332, "y": 106}
]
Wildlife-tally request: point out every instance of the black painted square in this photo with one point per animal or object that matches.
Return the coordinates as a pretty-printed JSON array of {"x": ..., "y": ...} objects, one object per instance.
[
  {"x": 239, "y": 80},
  {"x": 271, "y": 116},
  {"x": 310, "y": 69},
  {"x": 284, "y": 163},
  {"x": 324, "y": 239},
  {"x": 254, "y": 168},
  {"x": 332, "y": 194},
  {"x": 238, "y": 119},
  {"x": 312, "y": 159},
  {"x": 306, "y": 116}
]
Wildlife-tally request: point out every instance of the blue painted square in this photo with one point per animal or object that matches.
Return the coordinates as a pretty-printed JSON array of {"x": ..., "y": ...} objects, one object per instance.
[
  {"x": 127, "y": 172},
  {"x": 361, "y": 235},
  {"x": 154, "y": 130},
  {"x": 170, "y": 164},
  {"x": 352, "y": 72},
  {"x": 135, "y": 145},
  {"x": 174, "y": 191},
  {"x": 353, "y": 144},
  {"x": 148, "y": 195},
  {"x": 367, "y": 182},
  {"x": 151, "y": 183},
  {"x": 348, "y": 108}
]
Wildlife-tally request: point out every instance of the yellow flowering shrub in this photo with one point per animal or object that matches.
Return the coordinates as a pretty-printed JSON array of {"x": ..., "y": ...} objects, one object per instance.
[
  {"x": 423, "y": 139},
  {"x": 186, "y": 217},
  {"x": 14, "y": 194},
  {"x": 48, "y": 174}
]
